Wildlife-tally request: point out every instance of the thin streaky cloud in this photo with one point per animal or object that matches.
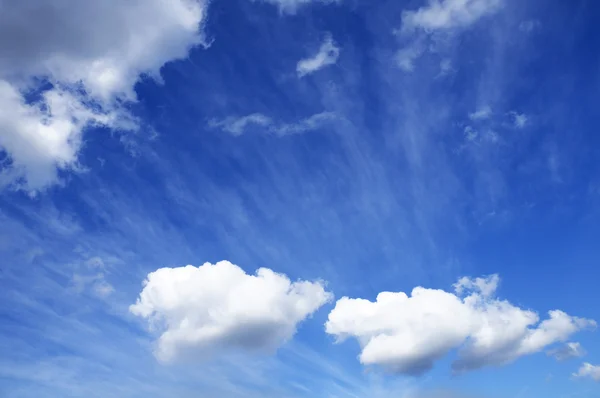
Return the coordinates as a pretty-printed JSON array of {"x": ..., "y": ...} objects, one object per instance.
[
  {"x": 327, "y": 55},
  {"x": 482, "y": 113},
  {"x": 241, "y": 125}
]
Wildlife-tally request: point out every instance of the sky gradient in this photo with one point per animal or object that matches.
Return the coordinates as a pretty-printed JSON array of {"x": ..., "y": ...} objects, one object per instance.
[{"x": 299, "y": 198}]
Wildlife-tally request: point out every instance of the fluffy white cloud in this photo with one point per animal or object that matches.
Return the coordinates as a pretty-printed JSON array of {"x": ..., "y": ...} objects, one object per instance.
[
  {"x": 588, "y": 370},
  {"x": 44, "y": 137},
  {"x": 327, "y": 55},
  {"x": 438, "y": 16},
  {"x": 407, "y": 334},
  {"x": 239, "y": 125},
  {"x": 91, "y": 53},
  {"x": 215, "y": 308},
  {"x": 567, "y": 351}
]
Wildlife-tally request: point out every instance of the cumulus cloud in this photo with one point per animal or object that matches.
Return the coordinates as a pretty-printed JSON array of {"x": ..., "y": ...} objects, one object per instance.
[
  {"x": 85, "y": 57},
  {"x": 327, "y": 55},
  {"x": 567, "y": 351},
  {"x": 439, "y": 16},
  {"x": 408, "y": 334},
  {"x": 214, "y": 308},
  {"x": 589, "y": 371},
  {"x": 240, "y": 125}
]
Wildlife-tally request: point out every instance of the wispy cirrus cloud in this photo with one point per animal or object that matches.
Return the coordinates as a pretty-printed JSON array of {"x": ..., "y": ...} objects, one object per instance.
[
  {"x": 257, "y": 121},
  {"x": 481, "y": 114},
  {"x": 237, "y": 126},
  {"x": 327, "y": 55}
]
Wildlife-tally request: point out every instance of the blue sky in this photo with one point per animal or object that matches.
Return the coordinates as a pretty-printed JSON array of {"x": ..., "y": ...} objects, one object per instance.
[{"x": 350, "y": 147}]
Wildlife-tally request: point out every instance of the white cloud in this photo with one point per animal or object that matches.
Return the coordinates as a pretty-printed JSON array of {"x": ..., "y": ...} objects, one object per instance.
[
  {"x": 439, "y": 16},
  {"x": 520, "y": 120},
  {"x": 407, "y": 56},
  {"x": 471, "y": 134},
  {"x": 567, "y": 351},
  {"x": 481, "y": 114},
  {"x": 215, "y": 308},
  {"x": 328, "y": 55},
  {"x": 407, "y": 334},
  {"x": 448, "y": 14},
  {"x": 310, "y": 123},
  {"x": 92, "y": 54},
  {"x": 45, "y": 137},
  {"x": 588, "y": 370},
  {"x": 239, "y": 125}
]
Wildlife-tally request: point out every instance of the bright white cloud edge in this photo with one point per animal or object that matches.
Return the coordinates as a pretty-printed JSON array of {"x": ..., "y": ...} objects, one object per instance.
[
  {"x": 216, "y": 309},
  {"x": 408, "y": 334},
  {"x": 92, "y": 54}
]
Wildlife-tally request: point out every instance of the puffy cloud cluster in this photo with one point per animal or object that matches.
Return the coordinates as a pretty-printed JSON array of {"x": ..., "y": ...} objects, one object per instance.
[
  {"x": 215, "y": 308},
  {"x": 85, "y": 57},
  {"x": 407, "y": 334}
]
